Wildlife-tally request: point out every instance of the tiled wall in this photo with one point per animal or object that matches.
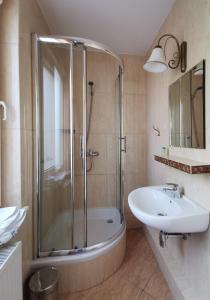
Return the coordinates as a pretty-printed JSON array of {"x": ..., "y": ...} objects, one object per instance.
[
  {"x": 9, "y": 92},
  {"x": 134, "y": 127},
  {"x": 30, "y": 20},
  {"x": 186, "y": 261},
  {"x": 18, "y": 19}
]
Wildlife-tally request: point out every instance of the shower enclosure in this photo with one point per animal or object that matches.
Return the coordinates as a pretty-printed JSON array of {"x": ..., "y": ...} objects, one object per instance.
[{"x": 79, "y": 145}]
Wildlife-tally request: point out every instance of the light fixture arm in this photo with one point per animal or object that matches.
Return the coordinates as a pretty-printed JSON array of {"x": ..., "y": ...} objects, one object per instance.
[
  {"x": 157, "y": 62},
  {"x": 175, "y": 61}
]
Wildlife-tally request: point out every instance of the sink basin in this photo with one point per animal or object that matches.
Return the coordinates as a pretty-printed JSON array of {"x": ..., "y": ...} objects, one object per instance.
[{"x": 157, "y": 208}]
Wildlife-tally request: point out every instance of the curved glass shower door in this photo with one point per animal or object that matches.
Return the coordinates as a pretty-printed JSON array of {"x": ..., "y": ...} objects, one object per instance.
[
  {"x": 79, "y": 145},
  {"x": 55, "y": 148},
  {"x": 104, "y": 188},
  {"x": 79, "y": 99}
]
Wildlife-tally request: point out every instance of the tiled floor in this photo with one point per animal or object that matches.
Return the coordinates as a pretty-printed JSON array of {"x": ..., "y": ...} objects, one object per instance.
[{"x": 139, "y": 277}]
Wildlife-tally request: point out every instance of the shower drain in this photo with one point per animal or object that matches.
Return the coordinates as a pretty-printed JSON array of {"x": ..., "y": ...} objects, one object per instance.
[
  {"x": 109, "y": 221},
  {"x": 162, "y": 214}
]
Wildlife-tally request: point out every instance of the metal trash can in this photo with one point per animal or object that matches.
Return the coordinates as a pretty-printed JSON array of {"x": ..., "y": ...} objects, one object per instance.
[{"x": 43, "y": 284}]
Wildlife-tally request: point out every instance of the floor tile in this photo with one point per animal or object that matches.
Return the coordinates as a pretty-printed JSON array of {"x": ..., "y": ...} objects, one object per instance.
[
  {"x": 145, "y": 296},
  {"x": 113, "y": 288},
  {"x": 127, "y": 291},
  {"x": 93, "y": 291},
  {"x": 139, "y": 264},
  {"x": 121, "y": 289},
  {"x": 138, "y": 278},
  {"x": 158, "y": 288},
  {"x": 73, "y": 296}
]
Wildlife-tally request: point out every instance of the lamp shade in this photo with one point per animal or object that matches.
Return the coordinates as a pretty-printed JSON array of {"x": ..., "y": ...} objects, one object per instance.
[{"x": 156, "y": 62}]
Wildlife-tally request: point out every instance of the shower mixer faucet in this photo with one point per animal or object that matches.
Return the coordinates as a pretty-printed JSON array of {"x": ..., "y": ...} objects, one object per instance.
[{"x": 92, "y": 153}]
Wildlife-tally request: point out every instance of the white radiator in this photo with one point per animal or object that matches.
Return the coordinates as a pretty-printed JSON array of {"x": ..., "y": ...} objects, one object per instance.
[{"x": 11, "y": 272}]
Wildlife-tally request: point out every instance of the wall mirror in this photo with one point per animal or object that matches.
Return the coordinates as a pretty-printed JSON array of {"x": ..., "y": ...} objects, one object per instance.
[{"x": 187, "y": 109}]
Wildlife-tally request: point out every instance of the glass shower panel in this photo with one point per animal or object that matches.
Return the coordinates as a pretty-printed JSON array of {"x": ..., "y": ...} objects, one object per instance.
[
  {"x": 121, "y": 146},
  {"x": 55, "y": 207},
  {"x": 103, "y": 133},
  {"x": 79, "y": 185},
  {"x": 79, "y": 145}
]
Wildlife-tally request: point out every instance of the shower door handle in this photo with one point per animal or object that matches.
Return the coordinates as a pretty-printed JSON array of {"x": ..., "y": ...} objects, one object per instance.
[
  {"x": 81, "y": 146},
  {"x": 3, "y": 104},
  {"x": 124, "y": 149}
]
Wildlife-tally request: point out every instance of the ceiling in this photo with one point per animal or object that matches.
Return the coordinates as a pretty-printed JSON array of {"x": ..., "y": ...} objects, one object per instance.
[{"x": 126, "y": 26}]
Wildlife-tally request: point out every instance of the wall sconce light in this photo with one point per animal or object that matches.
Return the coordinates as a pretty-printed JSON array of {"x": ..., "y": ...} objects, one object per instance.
[{"x": 157, "y": 61}]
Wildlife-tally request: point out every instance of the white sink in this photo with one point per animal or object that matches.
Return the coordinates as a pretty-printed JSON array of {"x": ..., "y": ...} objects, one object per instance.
[{"x": 156, "y": 208}]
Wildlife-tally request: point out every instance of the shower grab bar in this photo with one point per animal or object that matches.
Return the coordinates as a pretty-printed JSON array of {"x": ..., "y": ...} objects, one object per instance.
[{"x": 3, "y": 104}]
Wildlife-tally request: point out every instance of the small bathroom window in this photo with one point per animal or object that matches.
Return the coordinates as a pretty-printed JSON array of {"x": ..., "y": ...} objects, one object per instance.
[{"x": 52, "y": 118}]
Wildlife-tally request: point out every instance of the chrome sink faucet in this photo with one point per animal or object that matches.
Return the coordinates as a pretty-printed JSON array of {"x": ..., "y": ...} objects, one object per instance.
[{"x": 175, "y": 189}]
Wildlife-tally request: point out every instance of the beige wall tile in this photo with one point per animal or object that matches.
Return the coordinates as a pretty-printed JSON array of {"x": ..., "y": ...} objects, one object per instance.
[
  {"x": 111, "y": 190},
  {"x": 134, "y": 113},
  {"x": 134, "y": 116},
  {"x": 97, "y": 191},
  {"x": 31, "y": 18},
  {"x": 134, "y": 79},
  {"x": 102, "y": 69},
  {"x": 18, "y": 19},
  {"x": 11, "y": 168},
  {"x": 103, "y": 114},
  {"x": 78, "y": 111},
  {"x": 112, "y": 145},
  {"x": 135, "y": 155},
  {"x": 27, "y": 172},
  {"x": 9, "y": 22},
  {"x": 131, "y": 182},
  {"x": 9, "y": 83},
  {"x": 26, "y": 101},
  {"x": 30, "y": 21},
  {"x": 131, "y": 221}
]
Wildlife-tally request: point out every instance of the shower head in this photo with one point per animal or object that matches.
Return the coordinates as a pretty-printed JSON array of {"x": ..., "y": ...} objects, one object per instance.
[{"x": 91, "y": 83}]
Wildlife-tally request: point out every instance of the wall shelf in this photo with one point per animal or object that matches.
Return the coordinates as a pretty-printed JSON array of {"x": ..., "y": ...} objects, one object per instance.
[{"x": 182, "y": 164}]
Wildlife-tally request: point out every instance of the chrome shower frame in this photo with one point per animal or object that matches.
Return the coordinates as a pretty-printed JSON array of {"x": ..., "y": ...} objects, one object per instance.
[{"x": 71, "y": 41}]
